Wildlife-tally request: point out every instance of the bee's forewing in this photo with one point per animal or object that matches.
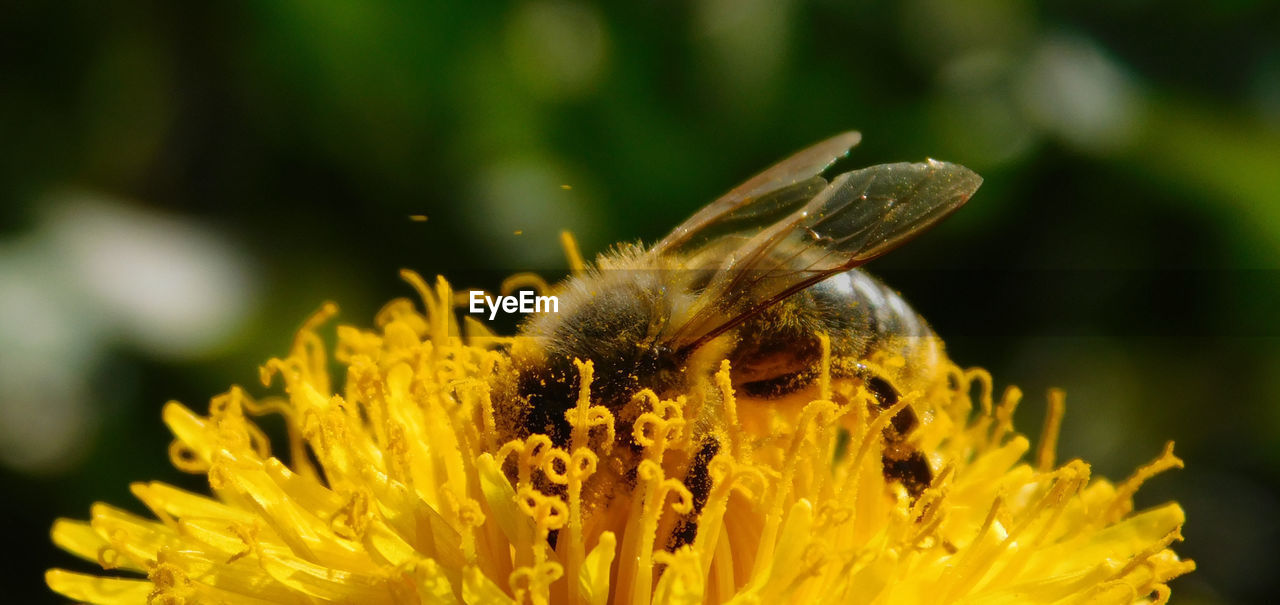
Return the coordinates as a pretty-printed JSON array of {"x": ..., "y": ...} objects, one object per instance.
[
  {"x": 758, "y": 194},
  {"x": 859, "y": 216},
  {"x": 866, "y": 213}
]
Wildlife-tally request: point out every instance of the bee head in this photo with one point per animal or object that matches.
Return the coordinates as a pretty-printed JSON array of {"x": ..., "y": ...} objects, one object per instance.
[{"x": 617, "y": 326}]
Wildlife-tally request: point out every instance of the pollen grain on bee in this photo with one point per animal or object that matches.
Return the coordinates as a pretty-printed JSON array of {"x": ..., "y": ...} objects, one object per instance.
[{"x": 523, "y": 302}]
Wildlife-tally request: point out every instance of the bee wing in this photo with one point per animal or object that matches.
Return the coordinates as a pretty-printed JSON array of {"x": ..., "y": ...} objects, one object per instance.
[
  {"x": 759, "y": 195},
  {"x": 859, "y": 216}
]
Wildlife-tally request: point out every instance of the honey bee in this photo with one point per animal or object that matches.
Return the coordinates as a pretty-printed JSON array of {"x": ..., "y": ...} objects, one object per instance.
[{"x": 753, "y": 277}]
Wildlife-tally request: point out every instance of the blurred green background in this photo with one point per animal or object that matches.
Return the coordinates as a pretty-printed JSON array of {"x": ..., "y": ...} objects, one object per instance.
[{"x": 182, "y": 183}]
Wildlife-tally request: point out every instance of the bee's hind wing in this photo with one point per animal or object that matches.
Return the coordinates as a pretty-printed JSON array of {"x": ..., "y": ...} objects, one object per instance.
[{"x": 859, "y": 216}]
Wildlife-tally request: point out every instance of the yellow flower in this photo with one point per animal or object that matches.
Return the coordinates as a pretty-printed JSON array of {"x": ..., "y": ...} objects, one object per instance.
[{"x": 397, "y": 490}]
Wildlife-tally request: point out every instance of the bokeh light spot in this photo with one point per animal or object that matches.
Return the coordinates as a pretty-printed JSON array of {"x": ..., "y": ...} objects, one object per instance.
[{"x": 558, "y": 48}]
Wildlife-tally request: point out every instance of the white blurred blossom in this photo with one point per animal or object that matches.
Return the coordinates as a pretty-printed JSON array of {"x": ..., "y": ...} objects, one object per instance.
[{"x": 93, "y": 272}]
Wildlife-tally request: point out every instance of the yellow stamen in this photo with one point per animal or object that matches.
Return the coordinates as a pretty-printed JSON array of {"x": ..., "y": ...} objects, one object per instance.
[
  {"x": 407, "y": 485},
  {"x": 1122, "y": 504},
  {"x": 576, "y": 265}
]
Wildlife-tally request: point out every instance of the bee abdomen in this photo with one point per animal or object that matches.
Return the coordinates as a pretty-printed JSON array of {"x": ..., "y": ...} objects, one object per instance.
[
  {"x": 886, "y": 313},
  {"x": 779, "y": 352},
  {"x": 867, "y": 318}
]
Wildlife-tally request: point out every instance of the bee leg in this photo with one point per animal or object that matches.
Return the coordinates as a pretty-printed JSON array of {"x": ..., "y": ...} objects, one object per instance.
[
  {"x": 699, "y": 483},
  {"x": 913, "y": 472},
  {"x": 886, "y": 397},
  {"x": 902, "y": 462}
]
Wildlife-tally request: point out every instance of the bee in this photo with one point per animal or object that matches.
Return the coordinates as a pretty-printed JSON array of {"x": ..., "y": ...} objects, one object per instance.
[{"x": 753, "y": 277}]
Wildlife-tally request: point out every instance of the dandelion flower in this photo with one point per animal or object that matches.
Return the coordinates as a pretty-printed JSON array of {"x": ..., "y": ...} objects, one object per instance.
[{"x": 396, "y": 489}]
